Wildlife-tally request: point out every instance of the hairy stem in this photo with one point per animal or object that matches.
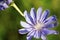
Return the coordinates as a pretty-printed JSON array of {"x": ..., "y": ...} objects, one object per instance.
[{"x": 15, "y": 6}]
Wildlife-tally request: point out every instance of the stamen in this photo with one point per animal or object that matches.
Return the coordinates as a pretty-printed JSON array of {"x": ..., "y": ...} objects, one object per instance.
[{"x": 39, "y": 26}]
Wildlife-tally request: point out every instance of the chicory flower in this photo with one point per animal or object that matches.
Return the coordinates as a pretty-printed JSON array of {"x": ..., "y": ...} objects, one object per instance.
[{"x": 38, "y": 24}]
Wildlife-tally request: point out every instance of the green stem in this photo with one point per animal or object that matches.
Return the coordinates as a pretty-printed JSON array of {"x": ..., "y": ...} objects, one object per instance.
[{"x": 14, "y": 5}]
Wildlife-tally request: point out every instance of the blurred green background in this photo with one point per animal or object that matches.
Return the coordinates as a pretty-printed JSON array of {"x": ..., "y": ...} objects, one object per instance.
[{"x": 10, "y": 18}]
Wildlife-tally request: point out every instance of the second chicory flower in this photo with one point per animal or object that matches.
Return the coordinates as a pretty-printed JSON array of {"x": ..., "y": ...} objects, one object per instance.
[{"x": 4, "y": 4}]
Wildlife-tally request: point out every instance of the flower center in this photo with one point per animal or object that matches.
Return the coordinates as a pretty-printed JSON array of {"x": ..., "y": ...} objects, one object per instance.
[{"x": 39, "y": 26}]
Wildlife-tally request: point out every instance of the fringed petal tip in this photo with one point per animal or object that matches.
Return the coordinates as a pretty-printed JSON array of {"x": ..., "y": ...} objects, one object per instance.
[
  {"x": 43, "y": 37},
  {"x": 25, "y": 25},
  {"x": 22, "y": 31},
  {"x": 55, "y": 18}
]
